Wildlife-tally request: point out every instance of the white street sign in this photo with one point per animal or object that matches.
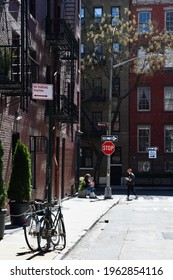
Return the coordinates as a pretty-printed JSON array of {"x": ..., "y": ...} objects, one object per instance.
[
  {"x": 42, "y": 91},
  {"x": 152, "y": 154},
  {"x": 112, "y": 138}
]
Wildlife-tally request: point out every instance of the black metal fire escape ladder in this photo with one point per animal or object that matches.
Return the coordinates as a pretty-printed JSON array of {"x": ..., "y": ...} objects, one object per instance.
[
  {"x": 14, "y": 57},
  {"x": 60, "y": 35}
]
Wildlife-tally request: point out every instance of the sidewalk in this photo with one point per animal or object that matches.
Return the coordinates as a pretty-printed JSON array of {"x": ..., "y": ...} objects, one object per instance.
[{"x": 80, "y": 214}]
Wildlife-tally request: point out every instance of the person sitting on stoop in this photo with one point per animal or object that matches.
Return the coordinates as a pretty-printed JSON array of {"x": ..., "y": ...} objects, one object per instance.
[{"x": 90, "y": 186}]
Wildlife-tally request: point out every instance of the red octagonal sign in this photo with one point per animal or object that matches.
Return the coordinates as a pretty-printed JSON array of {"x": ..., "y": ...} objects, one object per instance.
[{"x": 108, "y": 148}]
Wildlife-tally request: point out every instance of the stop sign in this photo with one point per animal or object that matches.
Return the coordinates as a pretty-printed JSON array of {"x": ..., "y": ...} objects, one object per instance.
[{"x": 108, "y": 148}]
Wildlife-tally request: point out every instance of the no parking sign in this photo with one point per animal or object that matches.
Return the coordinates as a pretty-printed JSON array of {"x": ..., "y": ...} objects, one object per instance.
[{"x": 152, "y": 152}]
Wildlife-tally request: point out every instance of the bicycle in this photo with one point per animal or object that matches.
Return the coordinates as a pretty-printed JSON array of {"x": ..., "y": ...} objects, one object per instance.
[
  {"x": 31, "y": 226},
  {"x": 52, "y": 228}
]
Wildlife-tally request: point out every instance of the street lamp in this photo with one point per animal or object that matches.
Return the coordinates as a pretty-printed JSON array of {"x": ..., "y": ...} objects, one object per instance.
[{"x": 108, "y": 191}]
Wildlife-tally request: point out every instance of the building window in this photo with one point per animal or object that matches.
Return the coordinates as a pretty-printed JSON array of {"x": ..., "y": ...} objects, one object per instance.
[
  {"x": 98, "y": 13},
  {"x": 169, "y": 21},
  {"x": 83, "y": 123},
  {"x": 38, "y": 145},
  {"x": 116, "y": 87},
  {"x": 82, "y": 14},
  {"x": 168, "y": 98},
  {"x": 82, "y": 50},
  {"x": 32, "y": 8},
  {"x": 116, "y": 49},
  {"x": 98, "y": 51},
  {"x": 86, "y": 157},
  {"x": 97, "y": 88},
  {"x": 144, "y": 166},
  {"x": 143, "y": 63},
  {"x": 169, "y": 166},
  {"x": 143, "y": 98},
  {"x": 115, "y": 15},
  {"x": 168, "y": 58},
  {"x": 144, "y": 19},
  {"x": 143, "y": 138},
  {"x": 96, "y": 118},
  {"x": 168, "y": 138}
]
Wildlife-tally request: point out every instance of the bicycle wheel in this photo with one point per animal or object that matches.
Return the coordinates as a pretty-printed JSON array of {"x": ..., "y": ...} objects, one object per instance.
[
  {"x": 30, "y": 232},
  {"x": 44, "y": 235},
  {"x": 59, "y": 234}
]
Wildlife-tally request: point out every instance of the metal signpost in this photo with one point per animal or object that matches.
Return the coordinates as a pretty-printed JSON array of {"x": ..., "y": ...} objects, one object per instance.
[
  {"x": 45, "y": 92},
  {"x": 108, "y": 148},
  {"x": 152, "y": 154}
]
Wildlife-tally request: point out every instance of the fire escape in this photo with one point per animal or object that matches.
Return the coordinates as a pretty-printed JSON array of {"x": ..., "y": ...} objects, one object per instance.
[
  {"x": 60, "y": 35},
  {"x": 18, "y": 70}
]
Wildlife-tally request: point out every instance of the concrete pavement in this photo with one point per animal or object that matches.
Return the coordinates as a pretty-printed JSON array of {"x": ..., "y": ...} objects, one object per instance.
[{"x": 80, "y": 214}]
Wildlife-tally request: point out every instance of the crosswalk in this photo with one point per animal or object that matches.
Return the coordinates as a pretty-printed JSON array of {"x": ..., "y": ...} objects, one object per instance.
[
  {"x": 155, "y": 209},
  {"x": 151, "y": 203}
]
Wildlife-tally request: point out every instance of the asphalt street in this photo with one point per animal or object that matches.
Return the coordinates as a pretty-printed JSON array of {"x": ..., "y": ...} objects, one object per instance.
[{"x": 132, "y": 230}]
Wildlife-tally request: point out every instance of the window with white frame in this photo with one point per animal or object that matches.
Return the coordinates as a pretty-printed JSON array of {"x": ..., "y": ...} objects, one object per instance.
[
  {"x": 168, "y": 54},
  {"x": 168, "y": 98},
  {"x": 143, "y": 98},
  {"x": 169, "y": 166},
  {"x": 144, "y": 19},
  {"x": 115, "y": 14},
  {"x": 168, "y": 132},
  {"x": 143, "y": 63},
  {"x": 169, "y": 21},
  {"x": 143, "y": 137}
]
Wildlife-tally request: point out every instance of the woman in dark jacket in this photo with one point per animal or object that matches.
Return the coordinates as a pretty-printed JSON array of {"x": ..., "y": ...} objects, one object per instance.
[{"x": 130, "y": 183}]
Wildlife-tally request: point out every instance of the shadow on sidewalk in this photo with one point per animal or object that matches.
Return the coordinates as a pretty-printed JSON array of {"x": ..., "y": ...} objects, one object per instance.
[{"x": 9, "y": 227}]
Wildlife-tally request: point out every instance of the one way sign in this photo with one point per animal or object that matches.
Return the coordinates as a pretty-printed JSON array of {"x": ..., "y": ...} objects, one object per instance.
[{"x": 113, "y": 138}]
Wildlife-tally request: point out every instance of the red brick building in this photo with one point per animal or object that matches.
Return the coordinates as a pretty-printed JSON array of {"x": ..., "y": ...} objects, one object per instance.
[
  {"x": 151, "y": 106},
  {"x": 40, "y": 42}
]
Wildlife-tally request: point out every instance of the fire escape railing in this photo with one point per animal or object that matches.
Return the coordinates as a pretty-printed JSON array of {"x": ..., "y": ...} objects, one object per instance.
[
  {"x": 59, "y": 34},
  {"x": 10, "y": 70},
  {"x": 10, "y": 83},
  {"x": 62, "y": 39},
  {"x": 64, "y": 112}
]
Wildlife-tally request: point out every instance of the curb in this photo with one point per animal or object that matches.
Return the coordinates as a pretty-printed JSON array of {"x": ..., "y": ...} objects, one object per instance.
[{"x": 71, "y": 248}]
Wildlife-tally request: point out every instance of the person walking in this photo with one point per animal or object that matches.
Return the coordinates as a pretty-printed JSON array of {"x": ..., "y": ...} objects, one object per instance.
[{"x": 130, "y": 184}]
